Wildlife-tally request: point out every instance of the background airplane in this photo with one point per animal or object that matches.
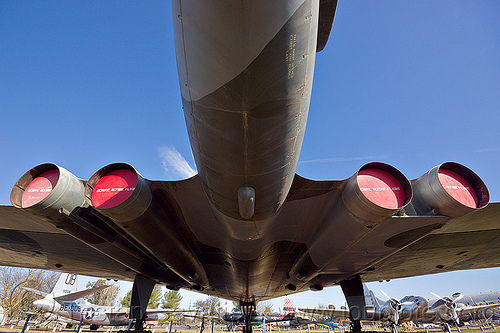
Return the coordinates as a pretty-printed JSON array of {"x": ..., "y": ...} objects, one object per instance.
[
  {"x": 394, "y": 312},
  {"x": 460, "y": 308},
  {"x": 239, "y": 318},
  {"x": 67, "y": 302}
]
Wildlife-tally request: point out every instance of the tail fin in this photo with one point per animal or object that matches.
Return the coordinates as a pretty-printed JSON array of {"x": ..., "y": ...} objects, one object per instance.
[
  {"x": 118, "y": 303},
  {"x": 65, "y": 289},
  {"x": 288, "y": 307},
  {"x": 34, "y": 291},
  {"x": 66, "y": 284},
  {"x": 371, "y": 300}
]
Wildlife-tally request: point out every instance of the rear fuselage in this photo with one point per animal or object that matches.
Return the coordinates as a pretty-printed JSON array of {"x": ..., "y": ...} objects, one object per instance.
[{"x": 245, "y": 72}]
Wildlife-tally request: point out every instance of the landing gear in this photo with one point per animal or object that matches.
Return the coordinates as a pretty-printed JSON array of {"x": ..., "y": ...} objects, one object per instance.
[
  {"x": 141, "y": 292},
  {"x": 94, "y": 327},
  {"x": 353, "y": 292},
  {"x": 394, "y": 328},
  {"x": 446, "y": 327},
  {"x": 248, "y": 309},
  {"x": 355, "y": 325}
]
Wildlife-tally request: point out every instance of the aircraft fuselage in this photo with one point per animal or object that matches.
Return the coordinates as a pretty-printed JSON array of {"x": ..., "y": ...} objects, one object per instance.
[
  {"x": 245, "y": 72},
  {"x": 88, "y": 313}
]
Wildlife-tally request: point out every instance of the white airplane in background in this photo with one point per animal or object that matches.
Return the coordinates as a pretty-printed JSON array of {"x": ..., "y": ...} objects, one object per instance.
[{"x": 67, "y": 302}]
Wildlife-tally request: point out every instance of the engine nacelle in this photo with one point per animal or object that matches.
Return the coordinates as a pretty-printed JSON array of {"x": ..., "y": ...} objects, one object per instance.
[
  {"x": 449, "y": 189},
  {"x": 47, "y": 189},
  {"x": 373, "y": 194},
  {"x": 119, "y": 192},
  {"x": 376, "y": 191}
]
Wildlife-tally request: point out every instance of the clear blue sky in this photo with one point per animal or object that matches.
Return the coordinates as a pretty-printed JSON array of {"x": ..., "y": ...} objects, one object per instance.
[{"x": 412, "y": 84}]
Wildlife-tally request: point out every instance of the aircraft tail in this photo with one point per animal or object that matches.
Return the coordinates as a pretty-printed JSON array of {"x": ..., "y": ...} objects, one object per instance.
[
  {"x": 34, "y": 291},
  {"x": 371, "y": 300},
  {"x": 288, "y": 307},
  {"x": 66, "y": 284},
  {"x": 118, "y": 303},
  {"x": 65, "y": 289}
]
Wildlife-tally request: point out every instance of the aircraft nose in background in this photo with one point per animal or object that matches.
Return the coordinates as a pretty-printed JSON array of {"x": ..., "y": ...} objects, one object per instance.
[{"x": 43, "y": 304}]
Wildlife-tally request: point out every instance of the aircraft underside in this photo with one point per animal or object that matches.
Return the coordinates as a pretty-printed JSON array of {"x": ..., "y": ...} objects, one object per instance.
[{"x": 247, "y": 228}]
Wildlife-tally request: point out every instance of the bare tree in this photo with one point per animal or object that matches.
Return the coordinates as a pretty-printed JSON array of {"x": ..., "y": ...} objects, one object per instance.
[
  {"x": 106, "y": 296},
  {"x": 14, "y": 299},
  {"x": 266, "y": 307},
  {"x": 321, "y": 306},
  {"x": 210, "y": 306}
]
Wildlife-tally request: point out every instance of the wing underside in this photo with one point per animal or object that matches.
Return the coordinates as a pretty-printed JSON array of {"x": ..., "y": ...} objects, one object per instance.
[
  {"x": 30, "y": 241},
  {"x": 314, "y": 242},
  {"x": 469, "y": 242}
]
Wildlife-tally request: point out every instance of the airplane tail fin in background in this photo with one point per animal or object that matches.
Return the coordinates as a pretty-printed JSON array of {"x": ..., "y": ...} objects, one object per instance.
[
  {"x": 371, "y": 300},
  {"x": 66, "y": 284},
  {"x": 66, "y": 290},
  {"x": 288, "y": 307},
  {"x": 34, "y": 291},
  {"x": 118, "y": 303}
]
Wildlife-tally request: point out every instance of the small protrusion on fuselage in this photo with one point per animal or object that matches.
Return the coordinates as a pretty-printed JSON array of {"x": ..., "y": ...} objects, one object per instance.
[{"x": 246, "y": 201}]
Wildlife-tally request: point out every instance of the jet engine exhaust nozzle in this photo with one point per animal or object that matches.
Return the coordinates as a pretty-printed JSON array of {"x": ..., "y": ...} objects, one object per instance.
[
  {"x": 449, "y": 189},
  {"x": 118, "y": 191},
  {"x": 376, "y": 191},
  {"x": 46, "y": 189}
]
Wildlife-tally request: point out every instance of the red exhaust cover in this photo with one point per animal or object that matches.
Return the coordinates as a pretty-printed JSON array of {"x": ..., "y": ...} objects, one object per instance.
[
  {"x": 39, "y": 188},
  {"x": 458, "y": 187},
  {"x": 113, "y": 188},
  {"x": 381, "y": 188}
]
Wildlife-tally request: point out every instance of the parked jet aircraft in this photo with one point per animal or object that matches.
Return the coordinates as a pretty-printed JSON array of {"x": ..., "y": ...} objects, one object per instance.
[
  {"x": 393, "y": 312},
  {"x": 66, "y": 301},
  {"x": 285, "y": 318},
  {"x": 247, "y": 227}
]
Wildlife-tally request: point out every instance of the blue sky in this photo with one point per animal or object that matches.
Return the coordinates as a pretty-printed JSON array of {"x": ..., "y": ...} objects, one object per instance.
[{"x": 412, "y": 84}]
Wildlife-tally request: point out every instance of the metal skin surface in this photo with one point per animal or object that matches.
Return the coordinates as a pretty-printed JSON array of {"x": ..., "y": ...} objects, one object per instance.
[{"x": 246, "y": 81}]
